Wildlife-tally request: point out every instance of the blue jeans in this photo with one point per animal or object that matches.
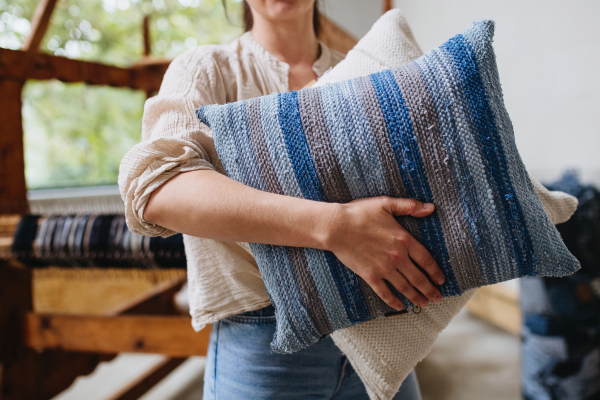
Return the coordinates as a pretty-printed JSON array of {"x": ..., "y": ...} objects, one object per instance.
[{"x": 240, "y": 366}]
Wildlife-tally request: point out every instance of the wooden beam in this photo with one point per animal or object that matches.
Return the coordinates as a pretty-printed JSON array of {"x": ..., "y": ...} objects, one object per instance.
[
  {"x": 135, "y": 389},
  {"x": 335, "y": 37},
  {"x": 13, "y": 192},
  {"x": 168, "y": 335},
  {"x": 39, "y": 25},
  {"x": 20, "y": 66}
]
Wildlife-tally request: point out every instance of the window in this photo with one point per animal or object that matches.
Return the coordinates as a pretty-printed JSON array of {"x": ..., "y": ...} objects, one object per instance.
[{"x": 76, "y": 135}]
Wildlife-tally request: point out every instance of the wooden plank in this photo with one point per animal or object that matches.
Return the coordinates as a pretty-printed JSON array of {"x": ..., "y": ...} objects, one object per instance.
[
  {"x": 335, "y": 37},
  {"x": 13, "y": 191},
  {"x": 146, "y": 381},
  {"x": 20, "y": 66},
  {"x": 168, "y": 335},
  {"x": 39, "y": 25},
  {"x": 160, "y": 300},
  {"x": 498, "y": 306}
]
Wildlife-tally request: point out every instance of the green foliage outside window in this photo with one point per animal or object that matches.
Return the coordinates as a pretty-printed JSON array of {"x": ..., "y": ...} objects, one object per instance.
[{"x": 76, "y": 135}]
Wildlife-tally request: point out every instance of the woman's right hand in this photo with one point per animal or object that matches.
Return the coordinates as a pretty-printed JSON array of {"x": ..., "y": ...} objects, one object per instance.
[{"x": 365, "y": 236}]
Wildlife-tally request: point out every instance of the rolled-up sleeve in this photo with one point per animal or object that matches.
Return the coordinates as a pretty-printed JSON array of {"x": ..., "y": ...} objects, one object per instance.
[{"x": 173, "y": 140}]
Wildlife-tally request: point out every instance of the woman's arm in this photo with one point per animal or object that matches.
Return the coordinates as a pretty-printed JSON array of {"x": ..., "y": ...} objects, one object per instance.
[{"x": 363, "y": 234}]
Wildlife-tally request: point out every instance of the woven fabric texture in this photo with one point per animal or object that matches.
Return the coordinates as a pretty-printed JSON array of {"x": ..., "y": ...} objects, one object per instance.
[
  {"x": 435, "y": 130},
  {"x": 385, "y": 350}
]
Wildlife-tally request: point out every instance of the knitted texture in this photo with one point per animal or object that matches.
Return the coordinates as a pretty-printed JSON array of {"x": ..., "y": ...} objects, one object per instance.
[
  {"x": 385, "y": 350},
  {"x": 435, "y": 130}
]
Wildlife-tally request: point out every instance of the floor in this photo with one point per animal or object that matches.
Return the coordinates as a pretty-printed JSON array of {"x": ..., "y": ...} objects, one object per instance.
[{"x": 471, "y": 360}]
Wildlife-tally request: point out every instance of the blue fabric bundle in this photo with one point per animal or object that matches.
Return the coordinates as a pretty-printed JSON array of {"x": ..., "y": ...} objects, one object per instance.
[
  {"x": 560, "y": 352},
  {"x": 435, "y": 130}
]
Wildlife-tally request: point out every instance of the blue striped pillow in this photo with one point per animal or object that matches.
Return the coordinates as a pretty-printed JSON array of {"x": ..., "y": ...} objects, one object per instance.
[{"x": 435, "y": 130}]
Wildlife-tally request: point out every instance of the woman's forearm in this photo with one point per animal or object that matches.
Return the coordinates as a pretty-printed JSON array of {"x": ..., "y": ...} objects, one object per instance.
[
  {"x": 208, "y": 204},
  {"x": 363, "y": 234}
]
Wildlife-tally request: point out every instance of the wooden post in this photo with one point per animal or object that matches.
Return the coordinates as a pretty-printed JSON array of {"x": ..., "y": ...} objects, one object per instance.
[
  {"x": 13, "y": 192},
  {"x": 24, "y": 372},
  {"x": 147, "y": 46},
  {"x": 387, "y": 5},
  {"x": 17, "y": 360},
  {"x": 39, "y": 24}
]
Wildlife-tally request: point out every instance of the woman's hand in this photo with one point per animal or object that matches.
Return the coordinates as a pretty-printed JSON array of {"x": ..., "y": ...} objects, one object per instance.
[{"x": 364, "y": 235}]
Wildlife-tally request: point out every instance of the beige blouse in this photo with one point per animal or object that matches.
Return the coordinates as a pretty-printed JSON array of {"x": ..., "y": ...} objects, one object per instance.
[{"x": 223, "y": 278}]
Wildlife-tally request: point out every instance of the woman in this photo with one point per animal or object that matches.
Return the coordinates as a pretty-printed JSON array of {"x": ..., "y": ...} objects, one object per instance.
[{"x": 173, "y": 182}]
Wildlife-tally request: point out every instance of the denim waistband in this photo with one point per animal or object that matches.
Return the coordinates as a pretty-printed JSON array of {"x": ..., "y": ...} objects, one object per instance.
[
  {"x": 268, "y": 311},
  {"x": 264, "y": 315}
]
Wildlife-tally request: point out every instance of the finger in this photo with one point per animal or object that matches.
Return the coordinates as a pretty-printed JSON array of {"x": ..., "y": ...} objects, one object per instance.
[
  {"x": 410, "y": 207},
  {"x": 423, "y": 258},
  {"x": 419, "y": 280},
  {"x": 383, "y": 291},
  {"x": 403, "y": 286}
]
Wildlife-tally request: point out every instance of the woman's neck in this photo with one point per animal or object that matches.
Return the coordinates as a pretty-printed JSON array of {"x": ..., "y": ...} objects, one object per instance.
[{"x": 293, "y": 42}]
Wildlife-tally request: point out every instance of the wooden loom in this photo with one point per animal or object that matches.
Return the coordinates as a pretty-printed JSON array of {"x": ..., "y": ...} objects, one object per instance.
[{"x": 55, "y": 323}]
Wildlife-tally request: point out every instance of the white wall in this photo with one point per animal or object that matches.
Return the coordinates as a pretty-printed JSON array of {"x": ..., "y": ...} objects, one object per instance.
[
  {"x": 355, "y": 16},
  {"x": 548, "y": 54}
]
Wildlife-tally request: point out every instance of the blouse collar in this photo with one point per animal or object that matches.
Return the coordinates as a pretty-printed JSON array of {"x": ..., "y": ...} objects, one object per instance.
[{"x": 320, "y": 66}]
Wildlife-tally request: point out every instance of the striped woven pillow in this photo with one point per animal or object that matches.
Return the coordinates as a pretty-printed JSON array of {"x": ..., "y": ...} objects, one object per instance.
[{"x": 435, "y": 130}]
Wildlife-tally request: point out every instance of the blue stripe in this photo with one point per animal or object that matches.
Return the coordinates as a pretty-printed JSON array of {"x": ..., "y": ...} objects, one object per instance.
[
  {"x": 269, "y": 106},
  {"x": 349, "y": 289},
  {"x": 297, "y": 147},
  {"x": 493, "y": 151},
  {"x": 408, "y": 157},
  {"x": 299, "y": 153}
]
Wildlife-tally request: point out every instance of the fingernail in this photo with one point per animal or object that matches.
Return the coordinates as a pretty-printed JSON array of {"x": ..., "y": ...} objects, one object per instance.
[
  {"x": 424, "y": 303},
  {"x": 441, "y": 280},
  {"x": 437, "y": 299},
  {"x": 428, "y": 207}
]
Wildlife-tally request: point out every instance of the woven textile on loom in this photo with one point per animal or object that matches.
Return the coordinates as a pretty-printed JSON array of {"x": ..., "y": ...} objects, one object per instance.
[{"x": 435, "y": 130}]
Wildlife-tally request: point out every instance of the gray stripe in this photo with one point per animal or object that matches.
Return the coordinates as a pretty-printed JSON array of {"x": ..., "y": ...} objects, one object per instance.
[
  {"x": 378, "y": 126},
  {"x": 455, "y": 228},
  {"x": 372, "y": 169},
  {"x": 334, "y": 306},
  {"x": 308, "y": 289},
  {"x": 320, "y": 146},
  {"x": 260, "y": 146},
  {"x": 335, "y": 114}
]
